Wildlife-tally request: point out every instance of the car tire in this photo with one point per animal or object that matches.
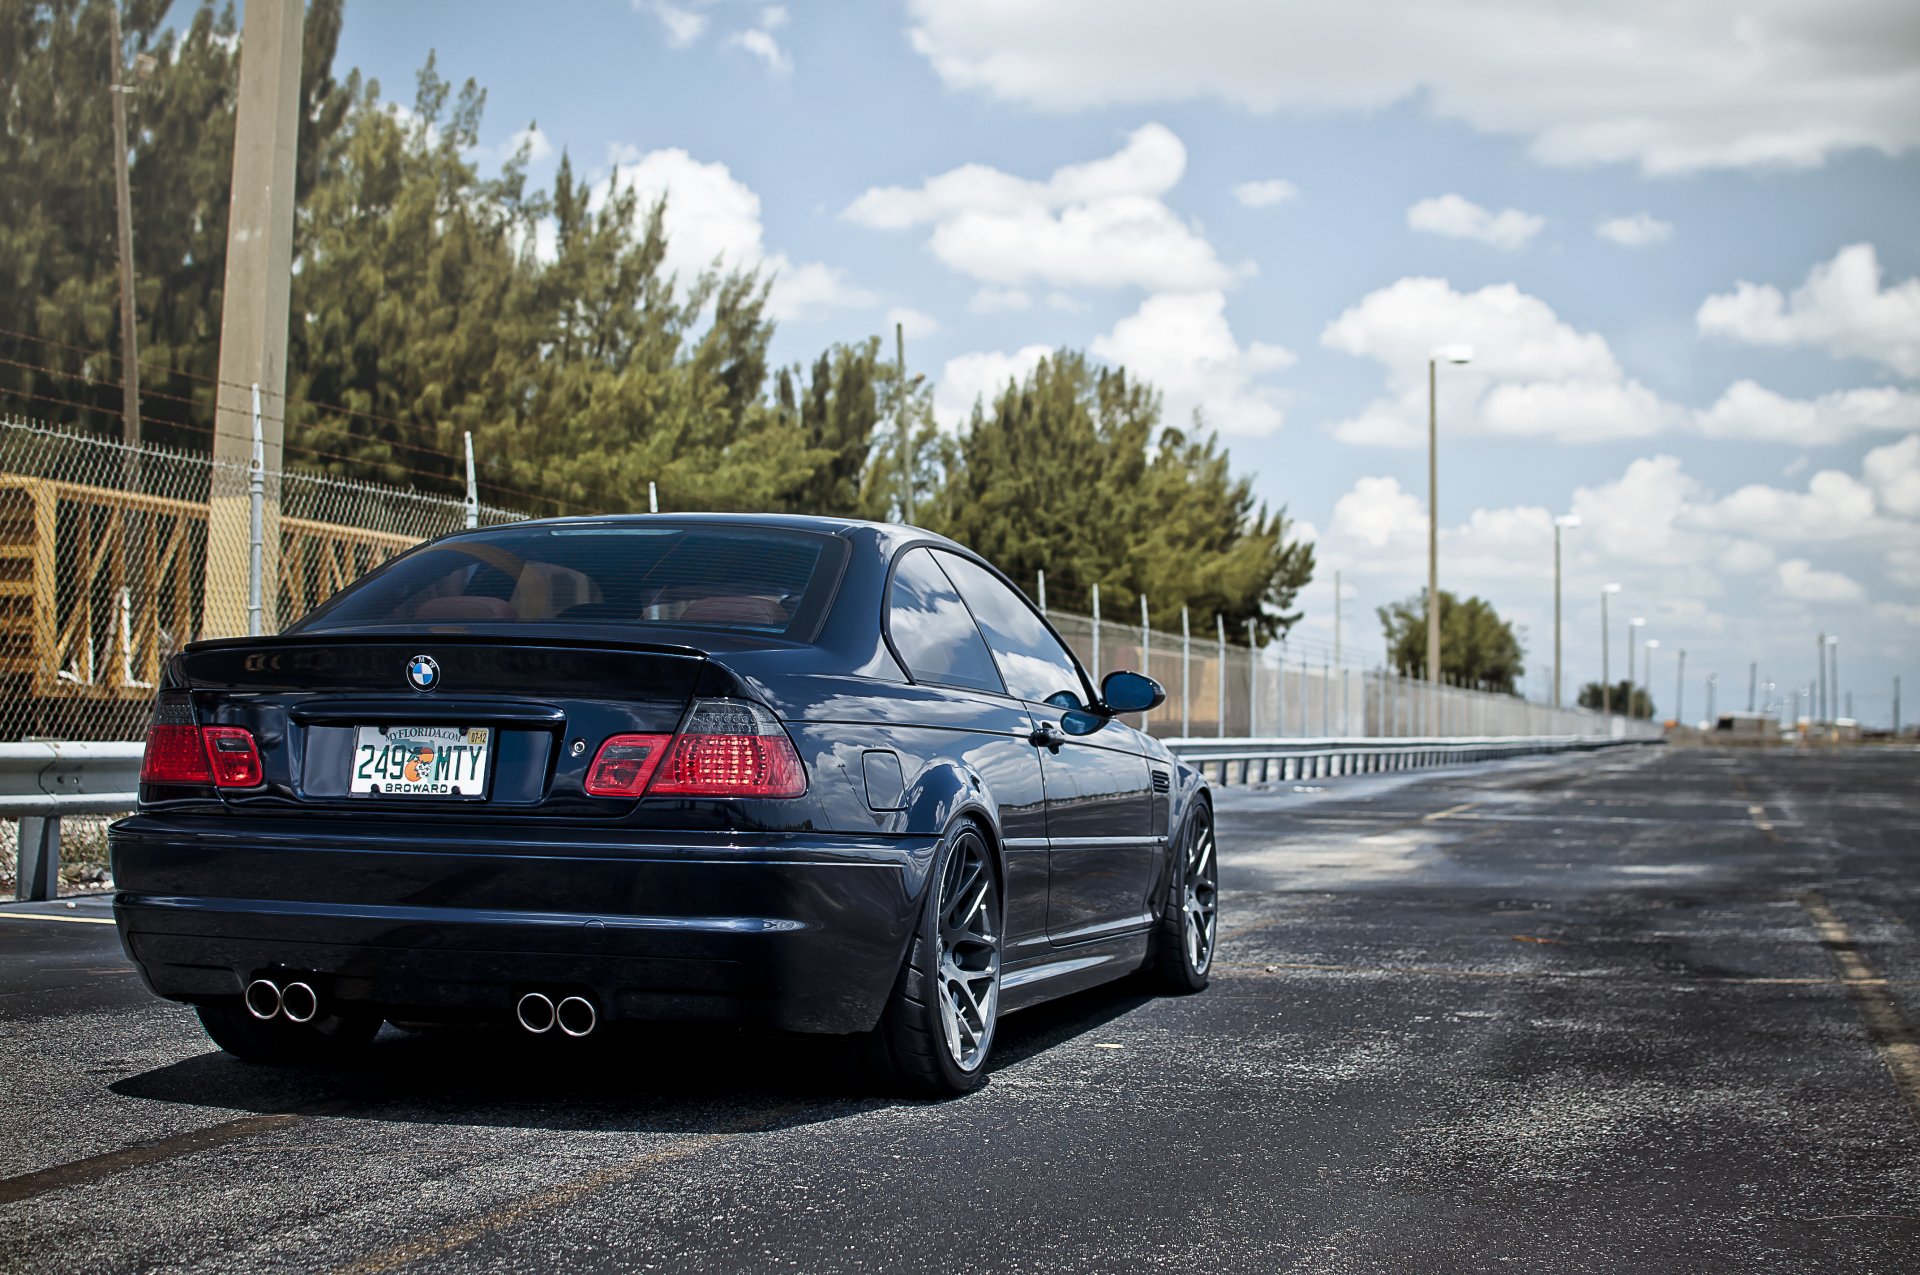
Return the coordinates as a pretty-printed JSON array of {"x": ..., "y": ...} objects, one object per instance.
[
  {"x": 1189, "y": 927},
  {"x": 329, "y": 1038},
  {"x": 936, "y": 1033}
]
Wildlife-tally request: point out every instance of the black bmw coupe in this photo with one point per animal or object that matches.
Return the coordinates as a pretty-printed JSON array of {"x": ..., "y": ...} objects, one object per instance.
[{"x": 798, "y": 774}]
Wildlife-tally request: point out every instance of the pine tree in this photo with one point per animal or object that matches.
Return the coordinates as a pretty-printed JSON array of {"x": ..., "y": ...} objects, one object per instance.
[
  {"x": 1477, "y": 647},
  {"x": 1070, "y": 472}
]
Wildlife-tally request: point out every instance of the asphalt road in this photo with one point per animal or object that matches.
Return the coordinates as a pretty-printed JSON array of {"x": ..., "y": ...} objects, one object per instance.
[{"x": 1621, "y": 1013}]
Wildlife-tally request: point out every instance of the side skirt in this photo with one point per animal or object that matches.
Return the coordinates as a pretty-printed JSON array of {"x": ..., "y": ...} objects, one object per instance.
[{"x": 1067, "y": 970}]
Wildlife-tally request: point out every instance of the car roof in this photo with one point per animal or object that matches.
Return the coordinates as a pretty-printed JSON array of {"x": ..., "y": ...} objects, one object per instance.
[{"x": 889, "y": 532}]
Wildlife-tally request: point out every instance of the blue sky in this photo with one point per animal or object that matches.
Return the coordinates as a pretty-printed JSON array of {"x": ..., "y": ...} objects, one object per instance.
[{"x": 1730, "y": 399}]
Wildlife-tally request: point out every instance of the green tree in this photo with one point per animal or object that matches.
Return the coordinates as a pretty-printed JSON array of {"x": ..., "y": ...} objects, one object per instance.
[
  {"x": 1641, "y": 706},
  {"x": 1071, "y": 472},
  {"x": 1477, "y": 647}
]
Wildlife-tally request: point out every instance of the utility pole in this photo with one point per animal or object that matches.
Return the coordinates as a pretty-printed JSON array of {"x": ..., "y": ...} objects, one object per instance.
[
  {"x": 253, "y": 309},
  {"x": 1336, "y": 617},
  {"x": 1606, "y": 686},
  {"x": 1753, "y": 683},
  {"x": 1896, "y": 706},
  {"x": 1433, "y": 534},
  {"x": 1820, "y": 656},
  {"x": 123, "y": 207},
  {"x": 1564, "y": 521},
  {"x": 1833, "y": 683},
  {"x": 900, "y": 423},
  {"x": 1680, "y": 691},
  {"x": 1713, "y": 681}
]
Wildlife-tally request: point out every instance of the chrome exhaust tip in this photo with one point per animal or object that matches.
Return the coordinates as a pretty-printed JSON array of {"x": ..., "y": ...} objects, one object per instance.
[
  {"x": 299, "y": 1002},
  {"x": 262, "y": 998},
  {"x": 577, "y": 1016},
  {"x": 535, "y": 1012}
]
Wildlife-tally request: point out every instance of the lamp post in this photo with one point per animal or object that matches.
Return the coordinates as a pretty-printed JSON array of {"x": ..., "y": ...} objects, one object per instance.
[
  {"x": 1564, "y": 521},
  {"x": 1450, "y": 354},
  {"x": 1833, "y": 681},
  {"x": 1653, "y": 644},
  {"x": 1633, "y": 625},
  {"x": 1606, "y": 683}
]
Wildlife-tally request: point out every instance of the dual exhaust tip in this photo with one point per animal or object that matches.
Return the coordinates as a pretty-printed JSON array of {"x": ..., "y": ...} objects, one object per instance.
[
  {"x": 573, "y": 1015},
  {"x": 538, "y": 1013},
  {"x": 296, "y": 1002}
]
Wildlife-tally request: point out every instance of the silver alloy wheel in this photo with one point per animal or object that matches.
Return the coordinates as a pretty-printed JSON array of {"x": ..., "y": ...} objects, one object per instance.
[
  {"x": 969, "y": 974},
  {"x": 1200, "y": 883}
]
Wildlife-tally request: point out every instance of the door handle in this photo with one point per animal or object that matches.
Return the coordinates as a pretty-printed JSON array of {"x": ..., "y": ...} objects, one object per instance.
[{"x": 1048, "y": 736}]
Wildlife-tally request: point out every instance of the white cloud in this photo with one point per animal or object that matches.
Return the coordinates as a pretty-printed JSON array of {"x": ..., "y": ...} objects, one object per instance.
[
  {"x": 1457, "y": 217},
  {"x": 1100, "y": 224},
  {"x": 1841, "y": 308},
  {"x": 773, "y": 17},
  {"x": 978, "y": 377},
  {"x": 1721, "y": 576},
  {"x": 913, "y": 322},
  {"x": 683, "y": 25},
  {"x": 995, "y": 300},
  {"x": 1532, "y": 375},
  {"x": 1751, "y": 412},
  {"x": 1265, "y": 194},
  {"x": 1637, "y": 231},
  {"x": 808, "y": 289},
  {"x": 1802, "y": 581},
  {"x": 1835, "y": 506},
  {"x": 1893, "y": 472},
  {"x": 713, "y": 217},
  {"x": 1182, "y": 344},
  {"x": 763, "y": 46},
  {"x": 1671, "y": 87}
]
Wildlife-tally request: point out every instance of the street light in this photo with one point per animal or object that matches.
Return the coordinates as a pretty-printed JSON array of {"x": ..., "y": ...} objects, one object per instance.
[
  {"x": 1833, "y": 682},
  {"x": 1606, "y": 685},
  {"x": 1568, "y": 521},
  {"x": 1638, "y": 621},
  {"x": 1653, "y": 644},
  {"x": 1449, "y": 354}
]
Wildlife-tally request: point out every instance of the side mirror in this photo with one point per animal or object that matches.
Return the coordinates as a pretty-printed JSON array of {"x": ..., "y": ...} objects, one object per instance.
[{"x": 1124, "y": 692}]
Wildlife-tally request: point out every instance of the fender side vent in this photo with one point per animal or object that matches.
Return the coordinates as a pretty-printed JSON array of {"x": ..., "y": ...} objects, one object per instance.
[{"x": 1162, "y": 782}]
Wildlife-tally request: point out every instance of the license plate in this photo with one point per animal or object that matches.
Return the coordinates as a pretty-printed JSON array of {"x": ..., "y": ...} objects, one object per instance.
[{"x": 421, "y": 761}]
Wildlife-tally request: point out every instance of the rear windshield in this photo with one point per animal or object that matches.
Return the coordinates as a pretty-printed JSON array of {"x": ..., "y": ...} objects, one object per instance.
[{"x": 764, "y": 580}]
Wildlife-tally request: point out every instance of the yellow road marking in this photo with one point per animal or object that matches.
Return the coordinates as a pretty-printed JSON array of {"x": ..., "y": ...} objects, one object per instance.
[
  {"x": 1898, "y": 1047},
  {"x": 1759, "y": 816},
  {"x": 96, "y": 1168},
  {"x": 1450, "y": 810},
  {"x": 55, "y": 916},
  {"x": 464, "y": 1233}
]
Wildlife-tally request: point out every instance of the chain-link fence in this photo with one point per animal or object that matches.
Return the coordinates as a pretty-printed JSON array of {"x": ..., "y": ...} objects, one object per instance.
[
  {"x": 113, "y": 557},
  {"x": 1216, "y": 688}
]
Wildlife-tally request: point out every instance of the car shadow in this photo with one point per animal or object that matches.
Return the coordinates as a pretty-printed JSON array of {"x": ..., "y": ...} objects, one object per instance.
[{"x": 666, "y": 1079}]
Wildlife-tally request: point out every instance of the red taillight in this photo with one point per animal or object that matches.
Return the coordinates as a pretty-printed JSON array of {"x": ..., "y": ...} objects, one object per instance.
[
  {"x": 235, "y": 759},
  {"x": 728, "y": 748},
  {"x": 624, "y": 764},
  {"x": 175, "y": 755},
  {"x": 731, "y": 766},
  {"x": 224, "y": 756},
  {"x": 731, "y": 748}
]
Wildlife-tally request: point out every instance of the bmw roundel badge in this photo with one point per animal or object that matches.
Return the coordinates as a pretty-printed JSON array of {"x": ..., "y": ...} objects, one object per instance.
[{"x": 423, "y": 673}]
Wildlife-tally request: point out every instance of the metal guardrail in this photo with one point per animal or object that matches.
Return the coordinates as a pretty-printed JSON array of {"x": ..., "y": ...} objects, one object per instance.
[
  {"x": 1261, "y": 761},
  {"x": 40, "y": 782}
]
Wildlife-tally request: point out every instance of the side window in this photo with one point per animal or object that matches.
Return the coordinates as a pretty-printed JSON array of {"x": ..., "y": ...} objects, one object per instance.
[
  {"x": 932, "y": 630},
  {"x": 1032, "y": 661}
]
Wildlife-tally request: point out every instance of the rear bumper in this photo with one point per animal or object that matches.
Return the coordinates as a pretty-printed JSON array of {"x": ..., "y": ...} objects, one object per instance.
[{"x": 794, "y": 933}]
